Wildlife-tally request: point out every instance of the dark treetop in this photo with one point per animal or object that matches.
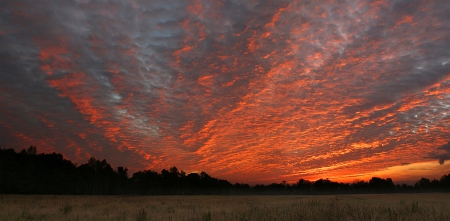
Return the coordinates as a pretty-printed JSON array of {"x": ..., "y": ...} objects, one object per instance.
[{"x": 26, "y": 172}]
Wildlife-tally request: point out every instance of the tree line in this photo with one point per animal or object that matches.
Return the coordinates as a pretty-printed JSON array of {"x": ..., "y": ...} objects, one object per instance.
[{"x": 26, "y": 172}]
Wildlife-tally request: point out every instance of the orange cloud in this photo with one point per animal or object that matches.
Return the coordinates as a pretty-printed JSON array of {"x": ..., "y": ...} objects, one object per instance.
[{"x": 247, "y": 91}]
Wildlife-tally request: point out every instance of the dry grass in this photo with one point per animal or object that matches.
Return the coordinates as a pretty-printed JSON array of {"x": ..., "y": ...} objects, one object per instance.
[{"x": 340, "y": 207}]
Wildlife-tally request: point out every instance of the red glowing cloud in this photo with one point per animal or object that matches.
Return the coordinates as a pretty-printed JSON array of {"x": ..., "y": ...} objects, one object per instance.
[{"x": 247, "y": 91}]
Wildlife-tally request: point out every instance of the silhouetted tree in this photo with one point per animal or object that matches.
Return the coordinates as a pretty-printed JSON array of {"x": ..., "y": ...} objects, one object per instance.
[
  {"x": 26, "y": 172},
  {"x": 146, "y": 182},
  {"x": 379, "y": 185},
  {"x": 100, "y": 176},
  {"x": 303, "y": 186},
  {"x": 445, "y": 183},
  {"x": 423, "y": 184},
  {"x": 193, "y": 183},
  {"x": 122, "y": 179},
  {"x": 360, "y": 186},
  {"x": 325, "y": 186}
]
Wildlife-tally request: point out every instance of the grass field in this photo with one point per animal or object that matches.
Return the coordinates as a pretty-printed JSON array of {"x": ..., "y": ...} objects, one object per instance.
[{"x": 326, "y": 207}]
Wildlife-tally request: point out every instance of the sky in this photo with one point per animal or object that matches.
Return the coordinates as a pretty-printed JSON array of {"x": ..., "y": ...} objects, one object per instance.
[{"x": 255, "y": 91}]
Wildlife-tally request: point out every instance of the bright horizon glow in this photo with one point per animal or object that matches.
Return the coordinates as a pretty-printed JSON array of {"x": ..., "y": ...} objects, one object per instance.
[{"x": 408, "y": 174}]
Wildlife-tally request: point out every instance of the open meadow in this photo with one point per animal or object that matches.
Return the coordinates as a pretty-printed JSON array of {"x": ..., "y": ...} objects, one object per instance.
[{"x": 434, "y": 206}]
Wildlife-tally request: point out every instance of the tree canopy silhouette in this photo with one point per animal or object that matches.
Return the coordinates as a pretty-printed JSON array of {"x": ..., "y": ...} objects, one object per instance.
[{"x": 27, "y": 172}]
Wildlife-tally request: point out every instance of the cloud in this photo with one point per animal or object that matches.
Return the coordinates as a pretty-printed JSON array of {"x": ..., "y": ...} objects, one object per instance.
[
  {"x": 257, "y": 90},
  {"x": 442, "y": 153}
]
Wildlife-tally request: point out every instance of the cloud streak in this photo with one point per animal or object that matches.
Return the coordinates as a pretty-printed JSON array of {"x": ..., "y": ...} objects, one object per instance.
[{"x": 252, "y": 91}]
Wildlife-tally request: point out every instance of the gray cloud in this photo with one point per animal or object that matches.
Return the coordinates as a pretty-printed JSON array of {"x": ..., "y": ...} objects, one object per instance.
[
  {"x": 442, "y": 153},
  {"x": 273, "y": 87}
]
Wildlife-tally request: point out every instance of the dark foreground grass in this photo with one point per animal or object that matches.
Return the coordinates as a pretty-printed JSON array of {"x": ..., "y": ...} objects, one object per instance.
[{"x": 336, "y": 207}]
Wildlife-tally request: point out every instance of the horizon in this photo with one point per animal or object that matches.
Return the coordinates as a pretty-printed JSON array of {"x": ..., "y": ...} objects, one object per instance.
[
  {"x": 365, "y": 178},
  {"x": 254, "y": 91}
]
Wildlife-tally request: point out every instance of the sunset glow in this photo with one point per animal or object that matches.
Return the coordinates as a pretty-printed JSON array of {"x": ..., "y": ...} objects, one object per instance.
[{"x": 248, "y": 91}]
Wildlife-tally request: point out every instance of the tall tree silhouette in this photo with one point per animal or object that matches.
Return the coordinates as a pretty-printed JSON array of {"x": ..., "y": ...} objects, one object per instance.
[{"x": 100, "y": 176}]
